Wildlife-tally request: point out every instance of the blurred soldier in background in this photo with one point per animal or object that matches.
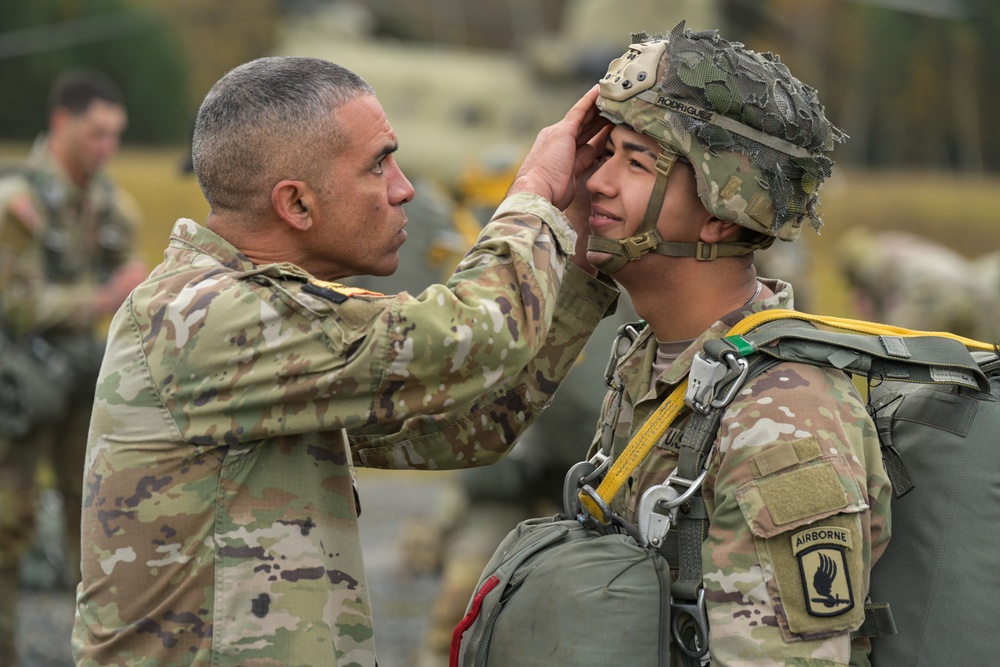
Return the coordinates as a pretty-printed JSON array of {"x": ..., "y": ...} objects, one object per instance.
[
  {"x": 906, "y": 280},
  {"x": 66, "y": 237}
]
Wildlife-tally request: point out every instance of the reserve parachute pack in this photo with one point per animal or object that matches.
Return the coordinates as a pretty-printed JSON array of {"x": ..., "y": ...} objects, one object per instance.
[{"x": 935, "y": 592}]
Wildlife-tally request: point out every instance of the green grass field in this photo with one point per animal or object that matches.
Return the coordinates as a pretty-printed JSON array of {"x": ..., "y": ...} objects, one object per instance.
[{"x": 959, "y": 211}]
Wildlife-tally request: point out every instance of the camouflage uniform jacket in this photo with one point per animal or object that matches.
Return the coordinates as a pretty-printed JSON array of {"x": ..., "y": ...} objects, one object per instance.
[
  {"x": 797, "y": 464},
  {"x": 58, "y": 244},
  {"x": 220, "y": 518}
]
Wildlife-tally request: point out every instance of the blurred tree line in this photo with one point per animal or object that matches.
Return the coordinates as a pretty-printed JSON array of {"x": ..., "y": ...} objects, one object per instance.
[
  {"x": 914, "y": 82},
  {"x": 164, "y": 54},
  {"x": 43, "y": 37}
]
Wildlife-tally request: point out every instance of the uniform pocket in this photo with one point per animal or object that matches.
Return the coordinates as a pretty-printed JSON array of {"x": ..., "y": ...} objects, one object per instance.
[{"x": 805, "y": 516}]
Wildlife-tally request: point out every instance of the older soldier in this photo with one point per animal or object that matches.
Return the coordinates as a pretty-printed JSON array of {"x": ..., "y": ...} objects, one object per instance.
[
  {"x": 716, "y": 152},
  {"x": 220, "y": 521},
  {"x": 66, "y": 263}
]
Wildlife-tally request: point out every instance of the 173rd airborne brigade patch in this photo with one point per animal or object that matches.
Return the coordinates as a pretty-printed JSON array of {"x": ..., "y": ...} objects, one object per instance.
[{"x": 826, "y": 581}]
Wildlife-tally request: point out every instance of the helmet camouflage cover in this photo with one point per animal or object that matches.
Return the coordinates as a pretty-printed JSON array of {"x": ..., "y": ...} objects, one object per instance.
[{"x": 756, "y": 136}]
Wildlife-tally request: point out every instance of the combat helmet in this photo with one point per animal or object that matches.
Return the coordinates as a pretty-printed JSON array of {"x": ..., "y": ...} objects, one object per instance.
[{"x": 756, "y": 137}]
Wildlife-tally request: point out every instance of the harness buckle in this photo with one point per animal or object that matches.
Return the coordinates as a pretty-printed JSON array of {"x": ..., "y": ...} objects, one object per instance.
[
  {"x": 707, "y": 375},
  {"x": 637, "y": 246},
  {"x": 706, "y": 252},
  {"x": 689, "y": 625}
]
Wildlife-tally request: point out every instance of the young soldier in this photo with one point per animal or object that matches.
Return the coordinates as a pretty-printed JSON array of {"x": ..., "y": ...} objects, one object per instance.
[{"x": 716, "y": 152}]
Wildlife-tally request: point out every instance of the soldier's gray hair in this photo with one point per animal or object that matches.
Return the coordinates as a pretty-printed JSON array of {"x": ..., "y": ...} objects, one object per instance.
[{"x": 267, "y": 120}]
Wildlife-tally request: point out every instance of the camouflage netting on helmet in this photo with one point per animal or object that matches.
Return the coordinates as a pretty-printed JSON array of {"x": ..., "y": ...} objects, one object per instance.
[{"x": 702, "y": 73}]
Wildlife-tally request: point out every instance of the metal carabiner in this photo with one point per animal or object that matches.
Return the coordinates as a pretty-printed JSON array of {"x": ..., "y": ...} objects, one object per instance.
[
  {"x": 584, "y": 472},
  {"x": 692, "y": 487},
  {"x": 704, "y": 376},
  {"x": 585, "y": 517},
  {"x": 656, "y": 514},
  {"x": 738, "y": 366},
  {"x": 707, "y": 374}
]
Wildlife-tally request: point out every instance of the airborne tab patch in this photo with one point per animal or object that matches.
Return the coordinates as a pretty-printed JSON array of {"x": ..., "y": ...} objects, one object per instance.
[{"x": 826, "y": 582}]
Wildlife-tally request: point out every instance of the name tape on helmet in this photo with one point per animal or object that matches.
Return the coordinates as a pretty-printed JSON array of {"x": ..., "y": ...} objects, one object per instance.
[{"x": 724, "y": 122}]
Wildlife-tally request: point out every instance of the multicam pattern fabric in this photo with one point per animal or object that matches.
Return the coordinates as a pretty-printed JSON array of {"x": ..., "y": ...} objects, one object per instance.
[
  {"x": 220, "y": 518},
  {"x": 797, "y": 465},
  {"x": 756, "y": 136},
  {"x": 58, "y": 243}
]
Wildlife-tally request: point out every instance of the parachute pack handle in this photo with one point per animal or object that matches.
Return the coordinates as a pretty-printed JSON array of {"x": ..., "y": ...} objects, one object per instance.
[{"x": 878, "y": 621}]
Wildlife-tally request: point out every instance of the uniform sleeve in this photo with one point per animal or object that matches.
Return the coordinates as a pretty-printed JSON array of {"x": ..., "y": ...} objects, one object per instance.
[
  {"x": 445, "y": 378},
  {"x": 798, "y": 511},
  {"x": 22, "y": 276},
  {"x": 482, "y": 431}
]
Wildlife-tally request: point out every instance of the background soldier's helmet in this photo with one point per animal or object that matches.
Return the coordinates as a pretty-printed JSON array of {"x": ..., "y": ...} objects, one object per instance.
[{"x": 756, "y": 136}]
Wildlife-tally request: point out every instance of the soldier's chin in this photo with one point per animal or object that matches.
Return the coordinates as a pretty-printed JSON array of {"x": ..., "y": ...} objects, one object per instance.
[
  {"x": 596, "y": 257},
  {"x": 387, "y": 268}
]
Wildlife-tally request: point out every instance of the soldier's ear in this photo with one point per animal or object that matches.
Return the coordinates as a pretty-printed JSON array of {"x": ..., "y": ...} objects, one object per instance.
[
  {"x": 292, "y": 202},
  {"x": 58, "y": 118},
  {"x": 719, "y": 231}
]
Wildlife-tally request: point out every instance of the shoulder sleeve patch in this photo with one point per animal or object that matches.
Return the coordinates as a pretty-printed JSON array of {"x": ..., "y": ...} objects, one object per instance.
[
  {"x": 335, "y": 292},
  {"x": 823, "y": 563}
]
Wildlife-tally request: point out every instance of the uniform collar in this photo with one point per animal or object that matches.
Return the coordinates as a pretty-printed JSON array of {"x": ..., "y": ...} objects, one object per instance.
[
  {"x": 189, "y": 236},
  {"x": 636, "y": 368},
  {"x": 782, "y": 298}
]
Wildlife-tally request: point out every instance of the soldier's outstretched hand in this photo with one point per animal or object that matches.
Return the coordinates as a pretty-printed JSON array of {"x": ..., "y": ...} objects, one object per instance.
[{"x": 561, "y": 152}]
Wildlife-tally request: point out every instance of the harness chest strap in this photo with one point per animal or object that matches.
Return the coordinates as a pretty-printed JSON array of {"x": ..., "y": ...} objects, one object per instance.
[
  {"x": 634, "y": 453},
  {"x": 653, "y": 429}
]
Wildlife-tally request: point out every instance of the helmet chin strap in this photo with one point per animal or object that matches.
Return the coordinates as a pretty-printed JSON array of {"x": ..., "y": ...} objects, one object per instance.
[{"x": 647, "y": 238}]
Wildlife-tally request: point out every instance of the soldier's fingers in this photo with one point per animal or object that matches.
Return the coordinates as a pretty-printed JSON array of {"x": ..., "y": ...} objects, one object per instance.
[
  {"x": 593, "y": 122},
  {"x": 583, "y": 112},
  {"x": 587, "y": 155},
  {"x": 592, "y": 128}
]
